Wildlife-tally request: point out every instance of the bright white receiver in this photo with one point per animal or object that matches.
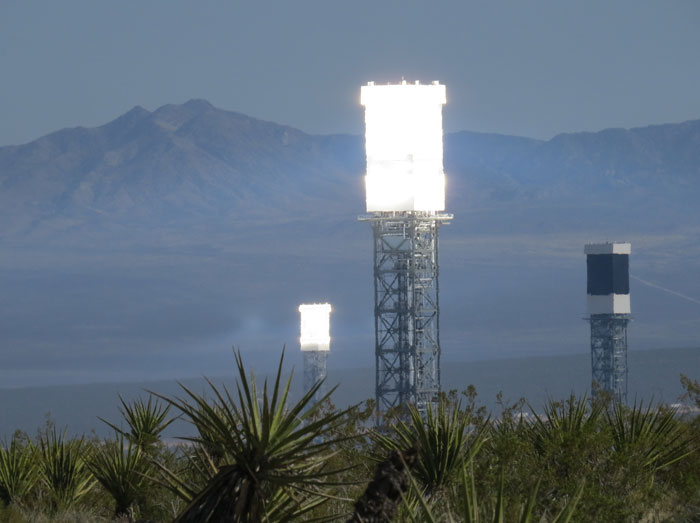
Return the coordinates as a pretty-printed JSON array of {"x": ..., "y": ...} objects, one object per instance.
[
  {"x": 315, "y": 326},
  {"x": 403, "y": 142}
]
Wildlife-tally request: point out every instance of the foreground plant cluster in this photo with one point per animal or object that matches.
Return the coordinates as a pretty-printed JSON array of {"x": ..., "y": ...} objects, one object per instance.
[{"x": 258, "y": 456}]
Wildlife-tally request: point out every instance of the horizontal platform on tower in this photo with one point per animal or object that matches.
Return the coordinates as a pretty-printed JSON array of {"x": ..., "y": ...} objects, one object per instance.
[{"x": 405, "y": 215}]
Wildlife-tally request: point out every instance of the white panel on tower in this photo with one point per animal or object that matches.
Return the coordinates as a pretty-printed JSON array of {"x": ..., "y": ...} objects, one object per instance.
[
  {"x": 315, "y": 327},
  {"x": 608, "y": 248},
  {"x": 609, "y": 304},
  {"x": 403, "y": 142}
]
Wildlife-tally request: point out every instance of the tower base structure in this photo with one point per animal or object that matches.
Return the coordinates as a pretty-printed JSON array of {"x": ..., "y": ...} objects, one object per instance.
[
  {"x": 315, "y": 370},
  {"x": 609, "y": 355},
  {"x": 406, "y": 308}
]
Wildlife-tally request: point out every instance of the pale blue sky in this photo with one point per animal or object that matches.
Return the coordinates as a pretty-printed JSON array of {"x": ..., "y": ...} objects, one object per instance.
[{"x": 534, "y": 68}]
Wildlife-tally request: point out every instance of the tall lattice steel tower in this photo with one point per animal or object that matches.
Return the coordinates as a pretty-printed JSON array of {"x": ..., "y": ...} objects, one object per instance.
[
  {"x": 609, "y": 313},
  {"x": 315, "y": 343},
  {"x": 405, "y": 192}
]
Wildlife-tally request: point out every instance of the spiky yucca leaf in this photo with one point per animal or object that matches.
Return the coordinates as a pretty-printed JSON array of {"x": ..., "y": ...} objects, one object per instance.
[
  {"x": 560, "y": 421},
  {"x": 410, "y": 503},
  {"x": 120, "y": 467},
  {"x": 62, "y": 469},
  {"x": 146, "y": 421},
  {"x": 271, "y": 454},
  {"x": 18, "y": 471},
  {"x": 470, "y": 505},
  {"x": 569, "y": 509},
  {"x": 653, "y": 433},
  {"x": 474, "y": 512},
  {"x": 191, "y": 478},
  {"x": 445, "y": 441},
  {"x": 469, "y": 498}
]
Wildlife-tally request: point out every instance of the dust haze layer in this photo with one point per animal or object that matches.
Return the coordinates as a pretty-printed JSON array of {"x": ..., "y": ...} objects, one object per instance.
[
  {"x": 654, "y": 377},
  {"x": 145, "y": 248}
]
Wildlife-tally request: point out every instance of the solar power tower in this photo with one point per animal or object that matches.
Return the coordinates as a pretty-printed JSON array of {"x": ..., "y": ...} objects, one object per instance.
[
  {"x": 405, "y": 200},
  {"x": 315, "y": 343},
  {"x": 609, "y": 313}
]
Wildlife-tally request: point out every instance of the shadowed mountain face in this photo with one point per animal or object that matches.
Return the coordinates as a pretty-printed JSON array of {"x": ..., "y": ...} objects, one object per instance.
[
  {"x": 145, "y": 247},
  {"x": 176, "y": 163}
]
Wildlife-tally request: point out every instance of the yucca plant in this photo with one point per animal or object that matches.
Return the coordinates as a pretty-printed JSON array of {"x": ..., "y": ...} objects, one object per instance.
[
  {"x": 272, "y": 454},
  {"x": 209, "y": 449},
  {"x": 653, "y": 434},
  {"x": 196, "y": 468},
  {"x": 472, "y": 513},
  {"x": 561, "y": 421},
  {"x": 120, "y": 467},
  {"x": 470, "y": 509},
  {"x": 146, "y": 421},
  {"x": 62, "y": 469},
  {"x": 18, "y": 472},
  {"x": 445, "y": 440}
]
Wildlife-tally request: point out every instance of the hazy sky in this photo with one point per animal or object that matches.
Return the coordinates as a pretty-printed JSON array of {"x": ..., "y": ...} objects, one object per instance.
[{"x": 533, "y": 68}]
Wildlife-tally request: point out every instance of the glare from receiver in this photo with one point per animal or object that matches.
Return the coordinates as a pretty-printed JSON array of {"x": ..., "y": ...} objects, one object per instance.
[
  {"x": 315, "y": 343},
  {"x": 403, "y": 143},
  {"x": 315, "y": 327}
]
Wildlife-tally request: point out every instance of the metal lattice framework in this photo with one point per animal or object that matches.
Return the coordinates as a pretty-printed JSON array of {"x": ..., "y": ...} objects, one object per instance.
[
  {"x": 609, "y": 354},
  {"x": 406, "y": 307},
  {"x": 314, "y": 370}
]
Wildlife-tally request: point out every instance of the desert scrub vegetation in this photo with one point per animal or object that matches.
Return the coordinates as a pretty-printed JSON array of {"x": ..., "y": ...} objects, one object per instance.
[{"x": 256, "y": 454}]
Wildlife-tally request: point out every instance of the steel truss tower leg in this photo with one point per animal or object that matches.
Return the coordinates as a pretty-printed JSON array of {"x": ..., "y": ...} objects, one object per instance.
[
  {"x": 609, "y": 354},
  {"x": 406, "y": 309},
  {"x": 314, "y": 370}
]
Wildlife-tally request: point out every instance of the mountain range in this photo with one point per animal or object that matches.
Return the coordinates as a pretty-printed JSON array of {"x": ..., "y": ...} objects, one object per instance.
[
  {"x": 194, "y": 161},
  {"x": 129, "y": 247}
]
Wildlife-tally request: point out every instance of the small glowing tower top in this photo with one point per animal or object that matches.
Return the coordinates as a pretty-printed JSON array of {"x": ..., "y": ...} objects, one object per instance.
[
  {"x": 403, "y": 142},
  {"x": 315, "y": 327}
]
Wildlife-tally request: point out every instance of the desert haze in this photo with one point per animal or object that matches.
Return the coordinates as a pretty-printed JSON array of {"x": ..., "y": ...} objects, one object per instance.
[{"x": 145, "y": 248}]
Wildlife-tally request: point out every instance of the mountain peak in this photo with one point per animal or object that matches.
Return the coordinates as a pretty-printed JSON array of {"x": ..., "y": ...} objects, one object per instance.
[
  {"x": 198, "y": 104},
  {"x": 135, "y": 113},
  {"x": 172, "y": 116},
  {"x": 137, "y": 109}
]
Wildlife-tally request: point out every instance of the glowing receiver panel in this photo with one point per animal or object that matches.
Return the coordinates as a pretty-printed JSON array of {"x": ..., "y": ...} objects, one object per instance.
[
  {"x": 315, "y": 327},
  {"x": 403, "y": 142}
]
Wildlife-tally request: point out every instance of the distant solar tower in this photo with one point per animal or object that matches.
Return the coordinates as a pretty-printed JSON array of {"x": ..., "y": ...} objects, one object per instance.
[
  {"x": 609, "y": 313},
  {"x": 315, "y": 342},
  {"x": 405, "y": 197}
]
